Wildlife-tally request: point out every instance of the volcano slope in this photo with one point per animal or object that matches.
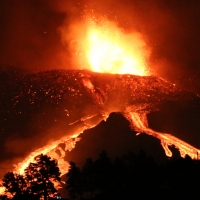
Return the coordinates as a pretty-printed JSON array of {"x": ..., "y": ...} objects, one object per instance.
[{"x": 37, "y": 108}]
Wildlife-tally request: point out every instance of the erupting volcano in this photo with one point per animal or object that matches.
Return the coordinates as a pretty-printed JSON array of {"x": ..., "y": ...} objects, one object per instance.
[
  {"x": 117, "y": 79},
  {"x": 82, "y": 99}
]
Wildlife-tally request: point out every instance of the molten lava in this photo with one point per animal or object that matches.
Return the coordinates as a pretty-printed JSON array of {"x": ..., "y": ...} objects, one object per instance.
[
  {"x": 109, "y": 50},
  {"x": 83, "y": 98},
  {"x": 104, "y": 47},
  {"x": 50, "y": 150},
  {"x": 139, "y": 123}
]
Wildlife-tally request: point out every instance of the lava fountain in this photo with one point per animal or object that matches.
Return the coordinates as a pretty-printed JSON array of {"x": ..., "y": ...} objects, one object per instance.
[
  {"x": 117, "y": 80},
  {"x": 102, "y": 46},
  {"x": 109, "y": 50}
]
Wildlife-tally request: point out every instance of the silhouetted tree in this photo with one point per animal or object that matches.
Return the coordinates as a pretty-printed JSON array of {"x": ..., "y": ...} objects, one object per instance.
[
  {"x": 15, "y": 184},
  {"x": 42, "y": 175},
  {"x": 74, "y": 183},
  {"x": 104, "y": 172},
  {"x": 135, "y": 177},
  {"x": 38, "y": 180},
  {"x": 89, "y": 178},
  {"x": 183, "y": 176}
]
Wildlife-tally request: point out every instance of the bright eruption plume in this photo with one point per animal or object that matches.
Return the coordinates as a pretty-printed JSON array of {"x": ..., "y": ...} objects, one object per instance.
[
  {"x": 109, "y": 50},
  {"x": 90, "y": 97},
  {"x": 104, "y": 47}
]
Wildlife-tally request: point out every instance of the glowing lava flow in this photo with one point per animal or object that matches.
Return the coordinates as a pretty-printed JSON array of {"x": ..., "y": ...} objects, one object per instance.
[
  {"x": 109, "y": 50},
  {"x": 85, "y": 94},
  {"x": 55, "y": 151},
  {"x": 139, "y": 123},
  {"x": 50, "y": 150},
  {"x": 89, "y": 98}
]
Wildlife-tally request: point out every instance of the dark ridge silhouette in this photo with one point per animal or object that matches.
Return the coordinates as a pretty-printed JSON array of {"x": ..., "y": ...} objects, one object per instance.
[
  {"x": 134, "y": 176},
  {"x": 36, "y": 105},
  {"x": 38, "y": 181}
]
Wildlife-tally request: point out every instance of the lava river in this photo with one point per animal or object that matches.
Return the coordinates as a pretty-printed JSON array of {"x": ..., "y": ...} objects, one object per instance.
[{"x": 54, "y": 107}]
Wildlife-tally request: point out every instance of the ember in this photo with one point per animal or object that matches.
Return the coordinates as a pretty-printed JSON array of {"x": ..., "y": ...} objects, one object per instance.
[
  {"x": 96, "y": 95},
  {"x": 90, "y": 97},
  {"x": 104, "y": 47},
  {"x": 110, "y": 50}
]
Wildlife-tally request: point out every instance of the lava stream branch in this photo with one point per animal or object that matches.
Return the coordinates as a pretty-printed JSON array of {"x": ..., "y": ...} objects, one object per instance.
[
  {"x": 72, "y": 101},
  {"x": 140, "y": 124},
  {"x": 50, "y": 150}
]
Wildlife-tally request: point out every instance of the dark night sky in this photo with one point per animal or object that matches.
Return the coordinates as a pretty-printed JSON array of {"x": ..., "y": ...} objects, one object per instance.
[{"x": 30, "y": 39}]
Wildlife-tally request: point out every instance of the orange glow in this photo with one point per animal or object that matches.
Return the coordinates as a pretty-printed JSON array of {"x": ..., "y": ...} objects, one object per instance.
[
  {"x": 139, "y": 123},
  {"x": 50, "y": 150},
  {"x": 104, "y": 47},
  {"x": 2, "y": 189},
  {"x": 112, "y": 51},
  {"x": 53, "y": 148}
]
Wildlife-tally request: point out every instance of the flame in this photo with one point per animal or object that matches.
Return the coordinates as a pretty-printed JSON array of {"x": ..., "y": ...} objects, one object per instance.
[
  {"x": 2, "y": 189},
  {"x": 104, "y": 47},
  {"x": 112, "y": 51}
]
